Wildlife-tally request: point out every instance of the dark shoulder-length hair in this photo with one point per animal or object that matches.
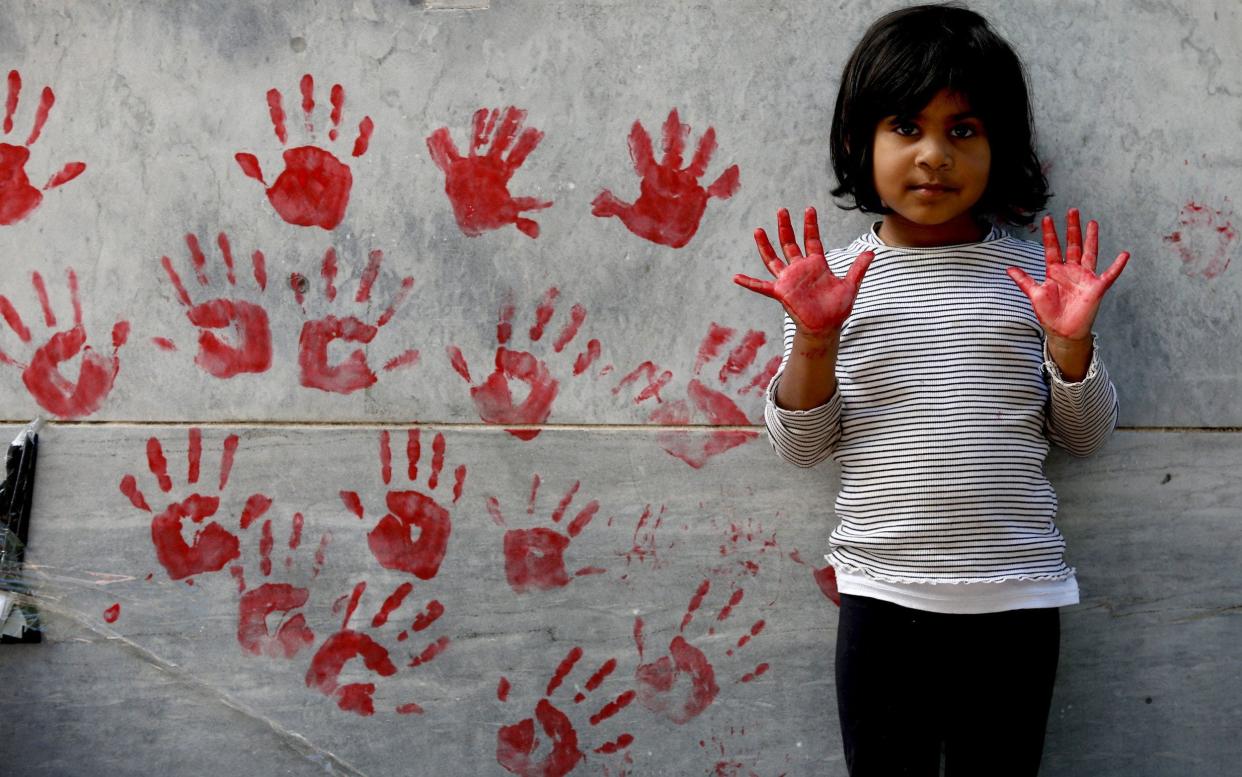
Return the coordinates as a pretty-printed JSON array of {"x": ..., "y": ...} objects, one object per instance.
[{"x": 902, "y": 61}]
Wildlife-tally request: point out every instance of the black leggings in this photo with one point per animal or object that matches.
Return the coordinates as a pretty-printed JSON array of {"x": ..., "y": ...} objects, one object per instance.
[{"x": 910, "y": 682}]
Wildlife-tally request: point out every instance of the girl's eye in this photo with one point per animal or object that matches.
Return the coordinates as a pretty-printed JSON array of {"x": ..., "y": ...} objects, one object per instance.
[
  {"x": 964, "y": 131},
  {"x": 905, "y": 128}
]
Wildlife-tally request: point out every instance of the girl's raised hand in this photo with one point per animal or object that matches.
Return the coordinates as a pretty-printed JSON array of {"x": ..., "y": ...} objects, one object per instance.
[
  {"x": 1068, "y": 299},
  {"x": 817, "y": 300}
]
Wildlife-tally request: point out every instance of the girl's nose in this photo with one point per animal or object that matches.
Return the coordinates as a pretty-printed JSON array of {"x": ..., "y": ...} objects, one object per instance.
[{"x": 934, "y": 153}]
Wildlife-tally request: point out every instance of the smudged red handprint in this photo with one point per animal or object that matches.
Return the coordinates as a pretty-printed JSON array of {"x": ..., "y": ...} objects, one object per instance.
[
  {"x": 392, "y": 541},
  {"x": 493, "y": 398},
  {"x": 257, "y": 604},
  {"x": 535, "y": 557},
  {"x": 646, "y": 545},
  {"x": 339, "y": 649},
  {"x": 353, "y": 373},
  {"x": 43, "y": 375},
  {"x": 705, "y": 404},
  {"x": 1204, "y": 239},
  {"x": 313, "y": 189},
  {"x": 212, "y": 545},
  {"x": 477, "y": 184},
  {"x": 682, "y": 684},
  {"x": 520, "y": 751},
  {"x": 825, "y": 578},
  {"x": 250, "y": 349},
  {"x": 671, "y": 201},
  {"x": 18, "y": 198}
]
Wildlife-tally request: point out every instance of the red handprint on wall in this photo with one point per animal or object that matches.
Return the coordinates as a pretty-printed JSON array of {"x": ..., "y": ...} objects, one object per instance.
[
  {"x": 313, "y": 189},
  {"x": 42, "y": 376},
  {"x": 339, "y": 649},
  {"x": 1204, "y": 239},
  {"x": 212, "y": 545},
  {"x": 519, "y": 750},
  {"x": 535, "y": 557},
  {"x": 671, "y": 201},
  {"x": 258, "y": 604},
  {"x": 249, "y": 349},
  {"x": 493, "y": 397},
  {"x": 392, "y": 541},
  {"x": 705, "y": 404},
  {"x": 477, "y": 185},
  {"x": 682, "y": 684},
  {"x": 353, "y": 373},
  {"x": 17, "y": 197}
]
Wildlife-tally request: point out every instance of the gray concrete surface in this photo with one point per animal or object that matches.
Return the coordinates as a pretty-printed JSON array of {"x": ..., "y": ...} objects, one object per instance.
[{"x": 1138, "y": 113}]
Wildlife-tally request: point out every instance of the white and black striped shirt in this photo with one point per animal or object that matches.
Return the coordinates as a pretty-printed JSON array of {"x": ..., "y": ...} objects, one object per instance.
[{"x": 945, "y": 405}]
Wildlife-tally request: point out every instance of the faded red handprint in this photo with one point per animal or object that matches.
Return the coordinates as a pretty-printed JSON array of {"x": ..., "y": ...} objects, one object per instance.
[
  {"x": 338, "y": 650},
  {"x": 212, "y": 546},
  {"x": 477, "y": 185},
  {"x": 392, "y": 540},
  {"x": 671, "y": 201},
  {"x": 535, "y": 557},
  {"x": 354, "y": 373},
  {"x": 706, "y": 399},
  {"x": 1204, "y": 239},
  {"x": 251, "y": 348},
  {"x": 682, "y": 684},
  {"x": 519, "y": 750},
  {"x": 313, "y": 189},
  {"x": 17, "y": 197},
  {"x": 258, "y": 604},
  {"x": 43, "y": 378},
  {"x": 1068, "y": 299},
  {"x": 493, "y": 397},
  {"x": 815, "y": 299}
]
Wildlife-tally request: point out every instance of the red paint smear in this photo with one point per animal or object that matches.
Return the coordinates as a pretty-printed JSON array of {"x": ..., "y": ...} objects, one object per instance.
[
  {"x": 313, "y": 190},
  {"x": 410, "y": 709},
  {"x": 295, "y": 536},
  {"x": 716, "y": 338},
  {"x": 761, "y": 380},
  {"x": 212, "y": 548},
  {"x": 459, "y": 362},
  {"x": 195, "y": 454},
  {"x": 534, "y": 491},
  {"x": 654, "y": 383},
  {"x": 10, "y": 103},
  {"x": 112, "y": 613},
  {"x": 620, "y": 743},
  {"x": 590, "y": 571},
  {"x": 565, "y": 667},
  {"x": 577, "y": 314},
  {"x": 826, "y": 579},
  {"x": 437, "y": 460},
  {"x": 638, "y": 636},
  {"x": 660, "y": 691},
  {"x": 36, "y": 280},
  {"x": 493, "y": 509},
  {"x": 406, "y": 359},
  {"x": 564, "y": 503},
  {"x": 197, "y": 259},
  {"x": 516, "y": 743},
  {"x": 477, "y": 185},
  {"x": 601, "y": 674},
  {"x": 308, "y": 99},
  {"x": 613, "y": 707},
  {"x": 543, "y": 313},
  {"x": 431, "y": 651},
  {"x": 393, "y": 601},
  {"x": 129, "y": 487},
  {"x": 696, "y": 448},
  {"x": 741, "y": 357},
  {"x": 260, "y": 269},
  {"x": 322, "y": 551},
  {"x": 584, "y": 359},
  {"x": 158, "y": 464},
  {"x": 182, "y": 294},
  {"x": 46, "y": 100},
  {"x": 365, "y": 128},
  {"x": 413, "y": 452},
  {"x": 671, "y": 200},
  {"x": 430, "y": 615},
  {"x": 494, "y": 401},
  {"x": 265, "y": 549},
  {"x": 226, "y": 459},
  {"x": 256, "y": 506},
  {"x": 277, "y": 112},
  {"x": 257, "y": 605},
  {"x": 13, "y": 319},
  {"x": 385, "y": 457},
  {"x": 407, "y": 284},
  {"x": 583, "y": 518},
  {"x": 392, "y": 541},
  {"x": 534, "y": 559},
  {"x": 352, "y": 502},
  {"x": 755, "y": 630},
  {"x": 354, "y": 596},
  {"x": 759, "y": 670},
  {"x": 66, "y": 174},
  {"x": 1202, "y": 223},
  {"x": 226, "y": 251},
  {"x": 328, "y": 272},
  {"x": 734, "y": 600},
  {"x": 502, "y": 689},
  {"x": 504, "y": 323},
  {"x": 336, "y": 651},
  {"x": 239, "y": 577},
  {"x": 337, "y": 98},
  {"x": 346, "y": 377},
  {"x": 249, "y": 322},
  {"x": 695, "y": 601},
  {"x": 249, "y": 164}
]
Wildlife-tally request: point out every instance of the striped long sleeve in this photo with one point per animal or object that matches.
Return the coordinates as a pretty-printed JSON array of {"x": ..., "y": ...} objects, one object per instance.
[{"x": 945, "y": 408}]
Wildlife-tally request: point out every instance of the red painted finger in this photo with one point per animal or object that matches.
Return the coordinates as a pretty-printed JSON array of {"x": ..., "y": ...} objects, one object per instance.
[
  {"x": 1073, "y": 237},
  {"x": 810, "y": 231},
  {"x": 858, "y": 269},
  {"x": 1092, "y": 248},
  {"x": 1024, "y": 281},
  {"x": 766, "y": 288},
  {"x": 1052, "y": 245},
  {"x": 785, "y": 234},
  {"x": 1114, "y": 269},
  {"x": 768, "y": 253}
]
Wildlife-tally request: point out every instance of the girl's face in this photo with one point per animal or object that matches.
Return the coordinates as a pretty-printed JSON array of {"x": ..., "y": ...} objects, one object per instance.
[{"x": 930, "y": 170}]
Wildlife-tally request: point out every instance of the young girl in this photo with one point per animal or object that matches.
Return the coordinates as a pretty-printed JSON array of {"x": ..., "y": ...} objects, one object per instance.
[{"x": 936, "y": 385}]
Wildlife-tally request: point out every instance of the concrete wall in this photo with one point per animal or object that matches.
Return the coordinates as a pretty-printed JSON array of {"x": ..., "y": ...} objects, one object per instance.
[{"x": 162, "y": 119}]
